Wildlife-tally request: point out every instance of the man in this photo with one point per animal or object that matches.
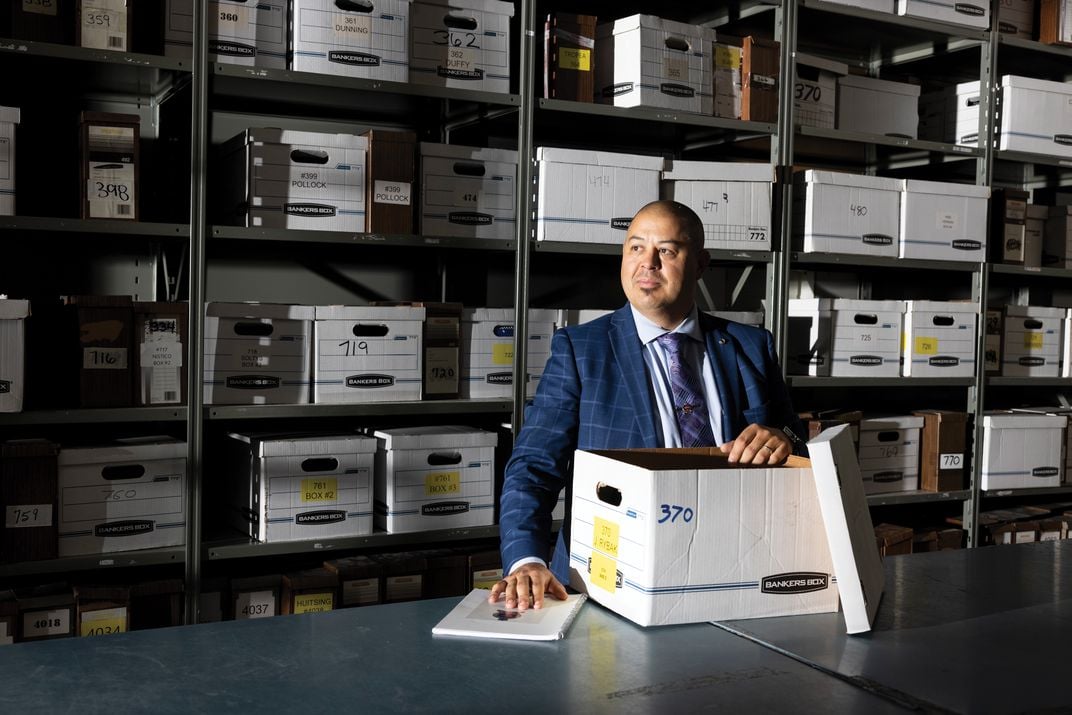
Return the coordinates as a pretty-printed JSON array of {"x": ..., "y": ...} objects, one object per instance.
[{"x": 623, "y": 381}]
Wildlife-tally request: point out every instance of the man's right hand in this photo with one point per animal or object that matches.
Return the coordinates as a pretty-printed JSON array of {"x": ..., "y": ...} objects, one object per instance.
[{"x": 526, "y": 586}]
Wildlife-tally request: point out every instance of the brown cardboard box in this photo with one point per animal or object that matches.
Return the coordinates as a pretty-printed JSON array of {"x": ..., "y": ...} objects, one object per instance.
[
  {"x": 448, "y": 574},
  {"x": 360, "y": 581},
  {"x": 759, "y": 79},
  {"x": 43, "y": 20},
  {"x": 104, "y": 24},
  {"x": 924, "y": 541},
  {"x": 390, "y": 186},
  {"x": 893, "y": 540},
  {"x": 9, "y": 611},
  {"x": 569, "y": 56},
  {"x": 156, "y": 604},
  {"x": 1053, "y": 529},
  {"x": 309, "y": 591},
  {"x": 403, "y": 576},
  {"x": 255, "y": 597},
  {"x": 159, "y": 337},
  {"x": 46, "y": 612},
  {"x": 104, "y": 346},
  {"x": 727, "y": 60},
  {"x": 944, "y": 456},
  {"x": 1008, "y": 213},
  {"x": 28, "y": 491},
  {"x": 102, "y": 610},
  {"x": 995, "y": 332},
  {"x": 1055, "y": 27},
  {"x": 485, "y": 568},
  {"x": 950, "y": 539},
  {"x": 441, "y": 341},
  {"x": 109, "y": 166}
]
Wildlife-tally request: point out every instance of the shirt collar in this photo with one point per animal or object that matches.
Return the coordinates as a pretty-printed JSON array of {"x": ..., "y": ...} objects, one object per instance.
[{"x": 649, "y": 331}]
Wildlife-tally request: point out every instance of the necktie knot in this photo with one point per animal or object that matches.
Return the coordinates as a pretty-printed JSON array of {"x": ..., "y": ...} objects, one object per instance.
[
  {"x": 672, "y": 342},
  {"x": 687, "y": 391}
]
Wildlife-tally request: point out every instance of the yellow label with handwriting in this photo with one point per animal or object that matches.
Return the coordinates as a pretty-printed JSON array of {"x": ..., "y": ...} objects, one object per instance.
[
  {"x": 605, "y": 537},
  {"x": 727, "y": 58},
  {"x": 604, "y": 571},
  {"x": 441, "y": 484},
  {"x": 502, "y": 354},
  {"x": 1033, "y": 341},
  {"x": 319, "y": 490},
  {"x": 314, "y": 602},
  {"x": 570, "y": 58},
  {"x": 925, "y": 346},
  {"x": 103, "y": 623}
]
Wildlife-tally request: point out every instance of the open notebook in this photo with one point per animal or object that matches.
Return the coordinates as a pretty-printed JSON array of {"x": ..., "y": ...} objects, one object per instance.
[{"x": 477, "y": 618}]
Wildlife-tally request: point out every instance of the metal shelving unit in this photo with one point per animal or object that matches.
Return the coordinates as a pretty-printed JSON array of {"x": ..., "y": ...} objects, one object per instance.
[
  {"x": 918, "y": 497},
  {"x": 243, "y": 233},
  {"x": 245, "y": 548},
  {"x": 104, "y": 415},
  {"x": 368, "y": 409},
  {"x": 811, "y": 381},
  {"x": 121, "y": 559}
]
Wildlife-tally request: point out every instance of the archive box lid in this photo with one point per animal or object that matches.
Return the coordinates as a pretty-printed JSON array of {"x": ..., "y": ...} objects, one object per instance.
[
  {"x": 881, "y": 85},
  {"x": 717, "y": 171},
  {"x": 436, "y": 437},
  {"x": 14, "y": 308},
  {"x": 599, "y": 158},
  {"x": 849, "y": 530},
  {"x": 277, "y": 444},
  {"x": 251, "y": 309},
  {"x": 369, "y": 312}
]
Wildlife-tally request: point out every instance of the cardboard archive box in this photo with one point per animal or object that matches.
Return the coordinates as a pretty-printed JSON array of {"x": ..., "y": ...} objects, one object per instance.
[
  {"x": 468, "y": 191},
  {"x": 239, "y": 33},
  {"x": 838, "y": 337},
  {"x": 1022, "y": 451},
  {"x": 293, "y": 487},
  {"x": 815, "y": 90},
  {"x": 1032, "y": 342},
  {"x": 28, "y": 485},
  {"x": 648, "y": 61},
  {"x": 360, "y": 580},
  {"x": 1067, "y": 446},
  {"x": 349, "y": 39},
  {"x": 156, "y": 604},
  {"x": 159, "y": 338},
  {"x": 309, "y": 591},
  {"x": 975, "y": 13},
  {"x": 121, "y": 497},
  {"x": 1008, "y": 214},
  {"x": 943, "y": 459},
  {"x": 9, "y": 617},
  {"x": 487, "y": 356},
  {"x": 679, "y": 536},
  {"x": 727, "y": 57},
  {"x": 939, "y": 339},
  {"x": 569, "y": 57},
  {"x": 104, "y": 24},
  {"x": 367, "y": 353},
  {"x": 760, "y": 71},
  {"x": 1057, "y": 241},
  {"x": 391, "y": 175},
  {"x": 889, "y": 453},
  {"x": 877, "y": 106},
  {"x": 46, "y": 612},
  {"x": 1055, "y": 22},
  {"x": 435, "y": 477},
  {"x": 893, "y": 540},
  {"x": 441, "y": 338},
  {"x": 43, "y": 20},
  {"x": 110, "y": 165},
  {"x": 257, "y": 354},
  {"x": 849, "y": 213},
  {"x": 591, "y": 196},
  {"x": 13, "y": 314},
  {"x": 102, "y": 610},
  {"x": 9, "y": 120},
  {"x": 943, "y": 221},
  {"x": 102, "y": 358},
  {"x": 463, "y": 44},
  {"x": 255, "y": 597},
  {"x": 1030, "y": 254},
  {"x": 283, "y": 178},
  {"x": 732, "y": 199},
  {"x": 1017, "y": 18},
  {"x": 995, "y": 331}
]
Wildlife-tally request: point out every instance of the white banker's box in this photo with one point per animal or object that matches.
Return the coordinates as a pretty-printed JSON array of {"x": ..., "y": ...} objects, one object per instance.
[
  {"x": 1035, "y": 115},
  {"x": 839, "y": 337},
  {"x": 591, "y": 196},
  {"x": 943, "y": 221},
  {"x": 1021, "y": 450},
  {"x": 1032, "y": 341},
  {"x": 463, "y": 44},
  {"x": 288, "y": 488},
  {"x": 257, "y": 353},
  {"x": 468, "y": 191},
  {"x": 282, "y": 178},
  {"x": 1066, "y": 342},
  {"x": 367, "y": 353},
  {"x": 643, "y": 60},
  {"x": 889, "y": 453},
  {"x": 732, "y": 199},
  {"x": 939, "y": 339},
  {"x": 121, "y": 497},
  {"x": 877, "y": 106},
  {"x": 679, "y": 536},
  {"x": 850, "y": 213},
  {"x": 974, "y": 13},
  {"x": 815, "y": 90},
  {"x": 487, "y": 354},
  {"x": 13, "y": 314},
  {"x": 437, "y": 477},
  {"x": 9, "y": 119},
  {"x": 352, "y": 39},
  {"x": 239, "y": 32}
]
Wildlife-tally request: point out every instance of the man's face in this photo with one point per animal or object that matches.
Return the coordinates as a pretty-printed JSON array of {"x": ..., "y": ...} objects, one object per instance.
[{"x": 660, "y": 267}]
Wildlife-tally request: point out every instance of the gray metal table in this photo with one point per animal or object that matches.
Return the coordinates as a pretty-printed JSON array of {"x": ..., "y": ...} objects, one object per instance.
[
  {"x": 977, "y": 631},
  {"x": 385, "y": 659}
]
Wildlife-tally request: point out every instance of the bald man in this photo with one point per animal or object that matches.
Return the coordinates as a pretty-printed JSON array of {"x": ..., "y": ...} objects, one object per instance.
[{"x": 655, "y": 373}]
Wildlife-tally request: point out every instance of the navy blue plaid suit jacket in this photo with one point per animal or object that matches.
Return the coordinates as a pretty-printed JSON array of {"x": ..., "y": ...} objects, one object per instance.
[{"x": 595, "y": 393}]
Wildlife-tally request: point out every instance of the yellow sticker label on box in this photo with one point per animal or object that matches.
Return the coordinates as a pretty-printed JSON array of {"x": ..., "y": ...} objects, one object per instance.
[
  {"x": 319, "y": 490},
  {"x": 727, "y": 58},
  {"x": 605, "y": 537},
  {"x": 925, "y": 346},
  {"x": 502, "y": 354},
  {"x": 604, "y": 571},
  {"x": 570, "y": 58},
  {"x": 440, "y": 484},
  {"x": 1033, "y": 341},
  {"x": 103, "y": 623},
  {"x": 314, "y": 602}
]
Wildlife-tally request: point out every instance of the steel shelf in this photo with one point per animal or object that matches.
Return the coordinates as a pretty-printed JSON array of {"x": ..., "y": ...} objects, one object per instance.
[
  {"x": 244, "y": 548},
  {"x": 242, "y": 233},
  {"x": 1024, "y": 157},
  {"x": 30, "y": 48},
  {"x": 107, "y": 227},
  {"x": 384, "y": 409},
  {"x": 917, "y": 497},
  {"x": 615, "y": 249},
  {"x": 652, "y": 114},
  {"x": 122, "y": 559},
  {"x": 1026, "y": 491},
  {"x": 812, "y": 381},
  {"x": 912, "y": 24},
  {"x": 94, "y": 416},
  {"x": 1012, "y": 270},
  {"x": 1029, "y": 381},
  {"x": 855, "y": 261},
  {"x": 1034, "y": 46},
  {"x": 967, "y": 152}
]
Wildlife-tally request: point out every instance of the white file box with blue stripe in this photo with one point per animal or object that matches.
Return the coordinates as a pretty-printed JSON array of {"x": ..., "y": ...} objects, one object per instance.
[
  {"x": 671, "y": 536},
  {"x": 849, "y": 213},
  {"x": 239, "y": 32},
  {"x": 352, "y": 38},
  {"x": 462, "y": 44}
]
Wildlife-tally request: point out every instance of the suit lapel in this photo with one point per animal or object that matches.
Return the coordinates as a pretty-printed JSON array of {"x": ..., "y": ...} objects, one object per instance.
[
  {"x": 723, "y": 365},
  {"x": 629, "y": 360}
]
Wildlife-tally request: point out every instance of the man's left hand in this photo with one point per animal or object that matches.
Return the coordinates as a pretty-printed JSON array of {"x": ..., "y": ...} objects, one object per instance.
[{"x": 758, "y": 444}]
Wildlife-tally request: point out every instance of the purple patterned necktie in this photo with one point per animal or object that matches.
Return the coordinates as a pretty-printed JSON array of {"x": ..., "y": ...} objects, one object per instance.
[{"x": 689, "y": 407}]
